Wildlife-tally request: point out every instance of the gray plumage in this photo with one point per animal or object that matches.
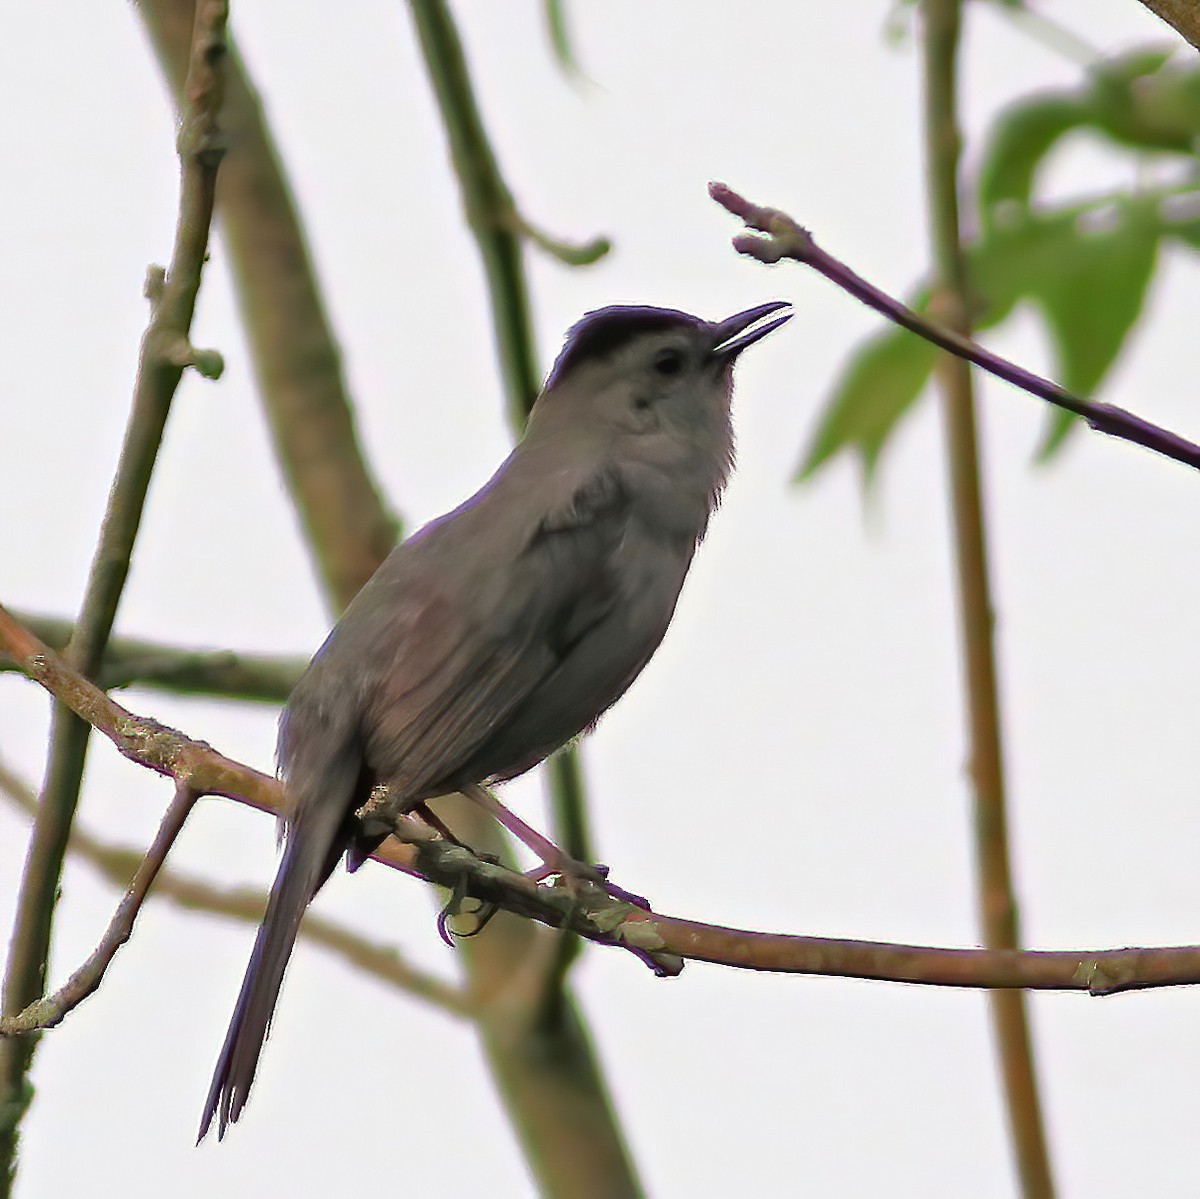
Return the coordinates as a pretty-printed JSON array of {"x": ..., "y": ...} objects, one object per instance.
[{"x": 497, "y": 633}]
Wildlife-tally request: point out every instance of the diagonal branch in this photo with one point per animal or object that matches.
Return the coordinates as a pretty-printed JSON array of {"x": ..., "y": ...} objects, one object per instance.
[
  {"x": 787, "y": 239},
  {"x": 539, "y": 1048},
  {"x": 165, "y": 352}
]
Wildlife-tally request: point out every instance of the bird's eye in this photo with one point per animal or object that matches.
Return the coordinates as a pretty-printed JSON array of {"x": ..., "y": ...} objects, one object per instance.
[{"x": 669, "y": 362}]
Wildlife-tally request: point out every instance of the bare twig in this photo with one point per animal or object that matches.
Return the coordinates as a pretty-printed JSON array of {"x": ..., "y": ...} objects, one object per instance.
[
  {"x": 50, "y": 1010},
  {"x": 586, "y": 909},
  {"x": 165, "y": 353},
  {"x": 786, "y": 239},
  {"x": 296, "y": 357},
  {"x": 539, "y": 1050},
  {"x": 117, "y": 864},
  {"x": 492, "y": 213},
  {"x": 940, "y": 21}
]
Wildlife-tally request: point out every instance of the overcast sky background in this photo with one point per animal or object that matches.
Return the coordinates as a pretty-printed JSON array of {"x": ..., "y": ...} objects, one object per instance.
[{"x": 791, "y": 760}]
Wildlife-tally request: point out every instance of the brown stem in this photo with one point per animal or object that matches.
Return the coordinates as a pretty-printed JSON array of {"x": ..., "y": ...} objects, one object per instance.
[
  {"x": 996, "y": 896},
  {"x": 165, "y": 352}
]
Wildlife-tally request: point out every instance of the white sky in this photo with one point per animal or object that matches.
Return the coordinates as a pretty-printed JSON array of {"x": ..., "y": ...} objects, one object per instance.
[{"x": 792, "y": 758}]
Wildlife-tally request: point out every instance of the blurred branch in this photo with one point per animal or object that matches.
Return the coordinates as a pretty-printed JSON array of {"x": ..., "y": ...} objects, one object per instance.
[
  {"x": 585, "y": 909},
  {"x": 498, "y": 228},
  {"x": 1182, "y": 15},
  {"x": 117, "y": 865},
  {"x": 552, "y": 1082},
  {"x": 539, "y": 1048},
  {"x": 941, "y": 29},
  {"x": 491, "y": 212},
  {"x": 165, "y": 353},
  {"x": 297, "y": 361},
  {"x": 786, "y": 239},
  {"x": 128, "y": 662}
]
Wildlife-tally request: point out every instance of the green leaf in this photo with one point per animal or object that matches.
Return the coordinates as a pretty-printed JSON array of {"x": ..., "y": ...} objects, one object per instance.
[
  {"x": 879, "y": 385},
  {"x": 1059, "y": 426},
  {"x": 1001, "y": 265},
  {"x": 1018, "y": 141},
  {"x": 1091, "y": 290},
  {"x": 1139, "y": 100},
  {"x": 1142, "y": 101}
]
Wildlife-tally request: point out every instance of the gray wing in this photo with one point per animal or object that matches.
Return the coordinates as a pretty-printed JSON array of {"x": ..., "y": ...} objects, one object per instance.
[{"x": 451, "y": 638}]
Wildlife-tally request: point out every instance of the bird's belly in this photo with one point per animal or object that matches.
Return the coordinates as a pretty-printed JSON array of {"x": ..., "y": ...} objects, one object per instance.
[{"x": 592, "y": 676}]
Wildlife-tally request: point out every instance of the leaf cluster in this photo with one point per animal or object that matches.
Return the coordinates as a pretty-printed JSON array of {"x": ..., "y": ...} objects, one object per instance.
[{"x": 1084, "y": 267}]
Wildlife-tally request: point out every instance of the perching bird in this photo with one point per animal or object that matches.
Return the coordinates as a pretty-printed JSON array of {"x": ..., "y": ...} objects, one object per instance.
[{"x": 497, "y": 633}]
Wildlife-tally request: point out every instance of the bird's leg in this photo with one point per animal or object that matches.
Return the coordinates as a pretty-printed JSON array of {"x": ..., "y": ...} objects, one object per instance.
[{"x": 554, "y": 860}]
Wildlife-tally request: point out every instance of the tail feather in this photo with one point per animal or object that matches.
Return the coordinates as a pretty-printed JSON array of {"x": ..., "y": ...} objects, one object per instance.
[{"x": 313, "y": 847}]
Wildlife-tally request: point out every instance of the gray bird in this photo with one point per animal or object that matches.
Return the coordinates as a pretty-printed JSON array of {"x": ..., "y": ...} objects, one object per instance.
[{"x": 500, "y": 631}]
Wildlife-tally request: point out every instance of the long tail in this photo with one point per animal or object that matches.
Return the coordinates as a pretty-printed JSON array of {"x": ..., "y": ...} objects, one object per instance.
[{"x": 313, "y": 848}]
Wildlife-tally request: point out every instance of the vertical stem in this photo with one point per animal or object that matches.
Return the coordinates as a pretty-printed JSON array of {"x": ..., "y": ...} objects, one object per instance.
[{"x": 997, "y": 903}]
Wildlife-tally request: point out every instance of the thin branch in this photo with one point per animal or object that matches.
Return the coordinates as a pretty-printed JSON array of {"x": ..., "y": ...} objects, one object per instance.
[
  {"x": 786, "y": 239},
  {"x": 941, "y": 30},
  {"x": 50, "y": 1010},
  {"x": 117, "y": 864},
  {"x": 498, "y": 228},
  {"x": 547, "y": 1069},
  {"x": 585, "y": 909},
  {"x": 296, "y": 357},
  {"x": 165, "y": 353},
  {"x": 129, "y": 661},
  {"x": 492, "y": 213}
]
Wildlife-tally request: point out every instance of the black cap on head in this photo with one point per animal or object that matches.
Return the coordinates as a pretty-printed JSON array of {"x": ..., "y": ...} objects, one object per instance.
[
  {"x": 597, "y": 334},
  {"x": 600, "y": 333}
]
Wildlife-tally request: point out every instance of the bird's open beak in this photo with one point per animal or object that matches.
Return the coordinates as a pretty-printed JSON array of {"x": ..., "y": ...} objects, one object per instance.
[{"x": 732, "y": 336}]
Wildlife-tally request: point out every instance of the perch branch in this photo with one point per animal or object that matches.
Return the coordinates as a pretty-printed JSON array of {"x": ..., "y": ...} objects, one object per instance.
[{"x": 416, "y": 849}]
